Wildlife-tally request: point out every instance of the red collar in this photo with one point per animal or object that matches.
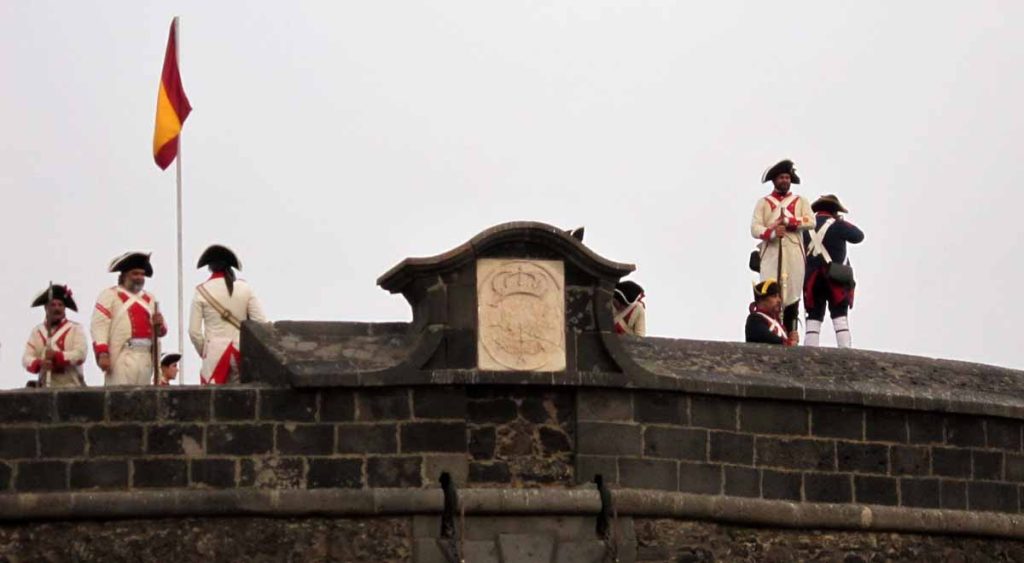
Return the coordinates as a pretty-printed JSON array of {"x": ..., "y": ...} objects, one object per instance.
[
  {"x": 780, "y": 196},
  {"x": 823, "y": 214},
  {"x": 765, "y": 313},
  {"x": 216, "y": 275},
  {"x": 63, "y": 322}
]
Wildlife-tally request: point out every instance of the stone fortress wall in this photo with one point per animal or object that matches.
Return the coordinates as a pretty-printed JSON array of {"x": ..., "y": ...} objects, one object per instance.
[{"x": 334, "y": 446}]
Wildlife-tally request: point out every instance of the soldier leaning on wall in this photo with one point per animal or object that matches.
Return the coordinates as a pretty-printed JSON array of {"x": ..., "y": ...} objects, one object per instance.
[{"x": 630, "y": 309}]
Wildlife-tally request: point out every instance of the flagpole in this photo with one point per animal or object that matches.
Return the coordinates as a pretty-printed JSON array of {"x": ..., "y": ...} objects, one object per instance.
[{"x": 181, "y": 286}]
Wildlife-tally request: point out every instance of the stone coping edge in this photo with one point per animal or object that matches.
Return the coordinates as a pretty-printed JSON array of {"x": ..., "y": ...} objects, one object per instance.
[{"x": 583, "y": 501}]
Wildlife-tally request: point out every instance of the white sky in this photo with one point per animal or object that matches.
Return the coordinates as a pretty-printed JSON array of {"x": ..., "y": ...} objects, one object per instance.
[{"x": 329, "y": 141}]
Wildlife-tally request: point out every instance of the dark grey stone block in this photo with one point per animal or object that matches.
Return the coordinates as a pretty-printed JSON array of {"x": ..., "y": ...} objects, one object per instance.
[
  {"x": 482, "y": 442},
  {"x": 601, "y": 438},
  {"x": 17, "y": 443},
  {"x": 925, "y": 428},
  {"x": 554, "y": 441},
  {"x": 953, "y": 494},
  {"x": 62, "y": 441},
  {"x": 419, "y": 437},
  {"x": 713, "y": 412},
  {"x": 335, "y": 473},
  {"x": 271, "y": 473},
  {"x": 159, "y": 473},
  {"x": 213, "y": 472},
  {"x": 80, "y": 406},
  {"x": 826, "y": 487},
  {"x": 996, "y": 497},
  {"x": 881, "y": 425},
  {"x": 547, "y": 408},
  {"x": 910, "y": 460},
  {"x": 99, "y": 474},
  {"x": 1015, "y": 468},
  {"x": 780, "y": 485},
  {"x": 395, "y": 471},
  {"x": 280, "y": 404},
  {"x": 604, "y": 405},
  {"x": 919, "y": 493},
  {"x": 987, "y": 465},
  {"x": 496, "y": 410},
  {"x": 338, "y": 405},
  {"x": 773, "y": 417},
  {"x": 729, "y": 447},
  {"x": 175, "y": 439},
  {"x": 862, "y": 458},
  {"x": 1003, "y": 434},
  {"x": 949, "y": 462},
  {"x": 648, "y": 474},
  {"x": 239, "y": 439},
  {"x": 131, "y": 406},
  {"x": 875, "y": 490},
  {"x": 41, "y": 476},
  {"x": 965, "y": 431},
  {"x": 702, "y": 478},
  {"x": 676, "y": 443},
  {"x": 305, "y": 439},
  {"x": 795, "y": 453},
  {"x": 489, "y": 472},
  {"x": 367, "y": 438},
  {"x": 382, "y": 404},
  {"x": 588, "y": 466},
  {"x": 122, "y": 439},
  {"x": 26, "y": 407},
  {"x": 186, "y": 405},
  {"x": 837, "y": 422},
  {"x": 742, "y": 481},
  {"x": 592, "y": 355},
  {"x": 658, "y": 407},
  {"x": 439, "y": 402},
  {"x": 234, "y": 404}
]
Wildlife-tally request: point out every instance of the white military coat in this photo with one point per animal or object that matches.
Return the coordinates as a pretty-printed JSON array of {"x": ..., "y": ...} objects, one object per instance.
[{"x": 214, "y": 338}]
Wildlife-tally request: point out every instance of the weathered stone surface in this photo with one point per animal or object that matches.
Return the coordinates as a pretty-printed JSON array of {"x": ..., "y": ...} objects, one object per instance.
[
  {"x": 261, "y": 540},
  {"x": 675, "y": 541},
  {"x": 521, "y": 315}
]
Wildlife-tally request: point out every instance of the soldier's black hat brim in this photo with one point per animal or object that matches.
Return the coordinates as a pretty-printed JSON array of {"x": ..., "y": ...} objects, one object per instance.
[
  {"x": 132, "y": 261},
  {"x": 59, "y": 292},
  {"x": 781, "y": 167},
  {"x": 169, "y": 359},
  {"x": 828, "y": 203},
  {"x": 219, "y": 253}
]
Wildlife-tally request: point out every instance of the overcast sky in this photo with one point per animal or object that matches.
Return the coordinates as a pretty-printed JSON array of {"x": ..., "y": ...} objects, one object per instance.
[{"x": 328, "y": 141}]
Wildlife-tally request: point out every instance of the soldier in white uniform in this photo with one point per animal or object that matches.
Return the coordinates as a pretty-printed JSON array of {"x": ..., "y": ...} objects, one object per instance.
[
  {"x": 219, "y": 307},
  {"x": 779, "y": 221},
  {"x": 630, "y": 309},
  {"x": 56, "y": 349},
  {"x": 126, "y": 323}
]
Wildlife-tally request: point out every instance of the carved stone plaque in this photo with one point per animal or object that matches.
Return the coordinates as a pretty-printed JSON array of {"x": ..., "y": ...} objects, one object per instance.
[{"x": 521, "y": 314}]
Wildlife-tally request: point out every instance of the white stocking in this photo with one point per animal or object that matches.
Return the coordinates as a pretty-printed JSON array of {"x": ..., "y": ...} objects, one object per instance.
[
  {"x": 813, "y": 334},
  {"x": 842, "y": 326}
]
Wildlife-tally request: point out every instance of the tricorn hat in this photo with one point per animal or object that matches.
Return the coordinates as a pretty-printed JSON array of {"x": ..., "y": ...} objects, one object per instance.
[
  {"x": 828, "y": 202},
  {"x": 781, "y": 167},
  {"x": 169, "y": 359},
  {"x": 219, "y": 253},
  {"x": 628, "y": 292},
  {"x": 131, "y": 261},
  {"x": 766, "y": 288},
  {"x": 61, "y": 292}
]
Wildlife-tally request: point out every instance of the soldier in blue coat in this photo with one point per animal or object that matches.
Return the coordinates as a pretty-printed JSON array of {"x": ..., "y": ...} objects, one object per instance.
[{"x": 828, "y": 279}]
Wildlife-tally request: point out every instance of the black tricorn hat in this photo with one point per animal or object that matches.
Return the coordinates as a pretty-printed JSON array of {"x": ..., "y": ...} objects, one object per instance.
[
  {"x": 169, "y": 359},
  {"x": 766, "y": 288},
  {"x": 781, "y": 167},
  {"x": 628, "y": 291},
  {"x": 61, "y": 292},
  {"x": 219, "y": 253},
  {"x": 131, "y": 261},
  {"x": 828, "y": 202}
]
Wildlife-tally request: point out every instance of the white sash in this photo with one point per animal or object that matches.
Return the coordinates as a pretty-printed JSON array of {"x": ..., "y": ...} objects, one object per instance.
[
  {"x": 817, "y": 246},
  {"x": 774, "y": 325}
]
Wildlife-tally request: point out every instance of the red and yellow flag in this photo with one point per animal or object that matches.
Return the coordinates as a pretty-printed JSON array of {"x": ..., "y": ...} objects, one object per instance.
[{"x": 172, "y": 107}]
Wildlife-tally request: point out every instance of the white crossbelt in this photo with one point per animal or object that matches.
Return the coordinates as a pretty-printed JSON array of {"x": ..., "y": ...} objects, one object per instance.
[{"x": 817, "y": 246}]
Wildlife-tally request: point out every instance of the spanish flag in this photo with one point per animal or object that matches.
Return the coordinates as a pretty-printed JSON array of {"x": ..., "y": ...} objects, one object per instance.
[{"x": 172, "y": 107}]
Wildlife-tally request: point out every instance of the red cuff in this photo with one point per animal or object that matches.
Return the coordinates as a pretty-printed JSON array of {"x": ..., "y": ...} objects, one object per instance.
[
  {"x": 766, "y": 235},
  {"x": 793, "y": 224},
  {"x": 100, "y": 349},
  {"x": 59, "y": 363},
  {"x": 34, "y": 366}
]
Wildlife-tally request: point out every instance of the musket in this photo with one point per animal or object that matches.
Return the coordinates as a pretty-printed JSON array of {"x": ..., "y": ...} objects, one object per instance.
[
  {"x": 44, "y": 375},
  {"x": 156, "y": 344}
]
